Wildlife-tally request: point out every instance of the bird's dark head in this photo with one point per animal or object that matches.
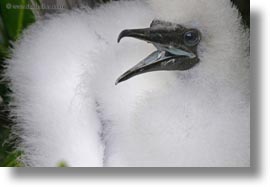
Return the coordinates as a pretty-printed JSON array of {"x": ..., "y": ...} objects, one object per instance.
[{"x": 176, "y": 48}]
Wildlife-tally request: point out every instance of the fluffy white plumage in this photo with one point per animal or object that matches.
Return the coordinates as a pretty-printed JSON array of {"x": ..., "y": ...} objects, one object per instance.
[{"x": 67, "y": 107}]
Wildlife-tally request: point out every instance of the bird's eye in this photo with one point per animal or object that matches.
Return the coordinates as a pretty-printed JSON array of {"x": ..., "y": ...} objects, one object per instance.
[{"x": 192, "y": 38}]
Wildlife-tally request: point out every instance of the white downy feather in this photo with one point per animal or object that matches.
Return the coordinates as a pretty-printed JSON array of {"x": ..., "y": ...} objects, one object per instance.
[{"x": 67, "y": 107}]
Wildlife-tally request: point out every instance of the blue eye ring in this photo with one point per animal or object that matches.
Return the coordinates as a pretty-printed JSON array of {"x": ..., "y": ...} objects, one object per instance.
[{"x": 192, "y": 37}]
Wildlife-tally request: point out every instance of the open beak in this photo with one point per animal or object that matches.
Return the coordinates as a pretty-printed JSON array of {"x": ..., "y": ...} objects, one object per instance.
[{"x": 167, "y": 57}]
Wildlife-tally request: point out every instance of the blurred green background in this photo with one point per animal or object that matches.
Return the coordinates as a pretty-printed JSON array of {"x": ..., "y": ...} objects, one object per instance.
[{"x": 13, "y": 20}]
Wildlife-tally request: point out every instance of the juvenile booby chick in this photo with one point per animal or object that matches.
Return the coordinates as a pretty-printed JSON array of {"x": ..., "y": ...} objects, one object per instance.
[{"x": 67, "y": 107}]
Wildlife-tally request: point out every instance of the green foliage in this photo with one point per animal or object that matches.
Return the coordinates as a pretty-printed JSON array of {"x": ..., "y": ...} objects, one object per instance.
[
  {"x": 3, "y": 40},
  {"x": 62, "y": 164},
  {"x": 14, "y": 17},
  {"x": 11, "y": 160}
]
